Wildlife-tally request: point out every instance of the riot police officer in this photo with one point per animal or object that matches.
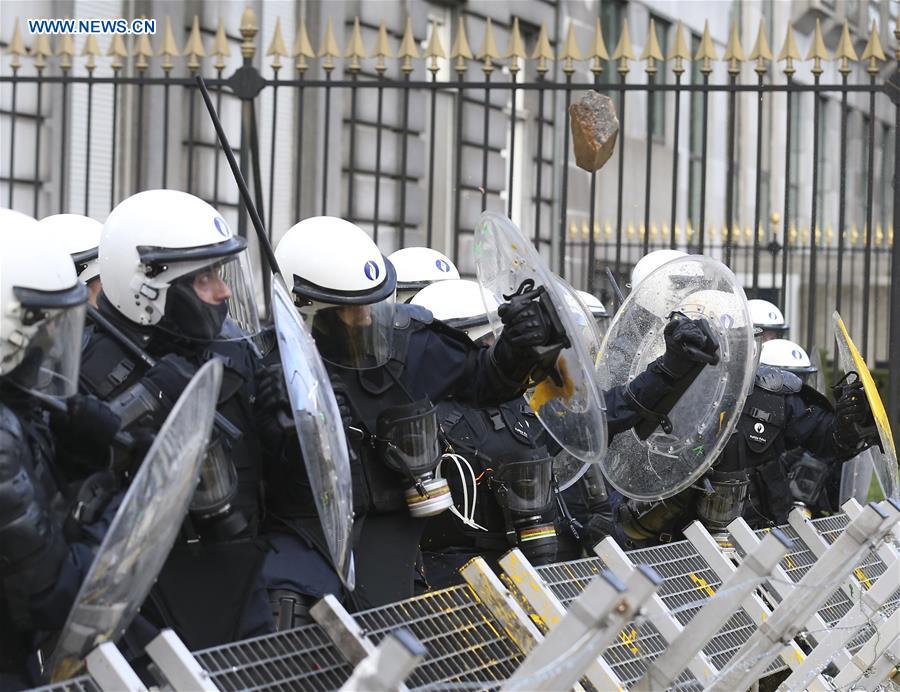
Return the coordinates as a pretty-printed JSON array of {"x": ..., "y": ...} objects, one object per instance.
[
  {"x": 418, "y": 267},
  {"x": 767, "y": 317},
  {"x": 177, "y": 291},
  {"x": 41, "y": 566},
  {"x": 80, "y": 237}
]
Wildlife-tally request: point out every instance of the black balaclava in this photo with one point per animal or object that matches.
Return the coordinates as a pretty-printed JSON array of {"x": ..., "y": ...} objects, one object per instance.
[{"x": 189, "y": 317}]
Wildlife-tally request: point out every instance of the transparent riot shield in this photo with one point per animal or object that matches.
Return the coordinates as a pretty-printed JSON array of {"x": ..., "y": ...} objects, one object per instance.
[
  {"x": 884, "y": 459},
  {"x": 705, "y": 414},
  {"x": 319, "y": 429},
  {"x": 856, "y": 476},
  {"x": 573, "y": 412},
  {"x": 144, "y": 528},
  {"x": 567, "y": 469}
]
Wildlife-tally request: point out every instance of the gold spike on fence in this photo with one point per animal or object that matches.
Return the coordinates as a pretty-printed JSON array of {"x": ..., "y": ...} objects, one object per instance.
[
  {"x": 680, "y": 52},
  {"x": 651, "y": 53},
  {"x": 542, "y": 51},
  {"x": 817, "y": 50},
  {"x": 706, "y": 53},
  {"x": 382, "y": 49},
  {"x": 117, "y": 52},
  {"x": 194, "y": 49},
  {"x": 16, "y": 48},
  {"x": 355, "y": 51},
  {"x": 488, "y": 51},
  {"x": 41, "y": 50},
  {"x": 65, "y": 49},
  {"x": 873, "y": 52},
  {"x": 276, "y": 48},
  {"x": 515, "y": 51},
  {"x": 460, "y": 52},
  {"x": 789, "y": 52},
  {"x": 845, "y": 51},
  {"x": 623, "y": 52},
  {"x": 761, "y": 51},
  {"x": 302, "y": 49},
  {"x": 734, "y": 53},
  {"x": 570, "y": 52},
  {"x": 598, "y": 49},
  {"x": 435, "y": 49},
  {"x": 329, "y": 49},
  {"x": 169, "y": 47},
  {"x": 91, "y": 50},
  {"x": 408, "y": 50}
]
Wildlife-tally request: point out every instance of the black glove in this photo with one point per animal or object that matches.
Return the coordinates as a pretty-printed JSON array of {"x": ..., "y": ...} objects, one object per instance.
[
  {"x": 170, "y": 376},
  {"x": 343, "y": 400},
  {"x": 88, "y": 425},
  {"x": 524, "y": 323},
  {"x": 688, "y": 343},
  {"x": 854, "y": 426},
  {"x": 272, "y": 406}
]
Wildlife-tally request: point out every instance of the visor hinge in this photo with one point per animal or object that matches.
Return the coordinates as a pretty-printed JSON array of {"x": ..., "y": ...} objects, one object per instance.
[{"x": 149, "y": 292}]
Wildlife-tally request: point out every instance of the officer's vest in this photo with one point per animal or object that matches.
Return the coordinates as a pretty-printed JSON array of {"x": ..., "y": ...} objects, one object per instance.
[{"x": 487, "y": 438}]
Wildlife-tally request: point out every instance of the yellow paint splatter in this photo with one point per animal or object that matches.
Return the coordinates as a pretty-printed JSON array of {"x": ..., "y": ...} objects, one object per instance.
[
  {"x": 548, "y": 391},
  {"x": 863, "y": 579},
  {"x": 702, "y": 584},
  {"x": 628, "y": 639},
  {"x": 790, "y": 563}
]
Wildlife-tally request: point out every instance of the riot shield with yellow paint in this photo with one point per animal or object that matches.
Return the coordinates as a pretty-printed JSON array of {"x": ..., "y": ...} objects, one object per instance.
[{"x": 885, "y": 459}]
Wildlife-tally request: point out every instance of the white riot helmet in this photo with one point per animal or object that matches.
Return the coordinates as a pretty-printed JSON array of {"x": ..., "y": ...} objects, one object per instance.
[
  {"x": 417, "y": 267},
  {"x": 41, "y": 310},
  {"x": 785, "y": 354},
  {"x": 169, "y": 259},
  {"x": 344, "y": 288},
  {"x": 80, "y": 237},
  {"x": 767, "y": 317},
  {"x": 459, "y": 303},
  {"x": 593, "y": 303},
  {"x": 651, "y": 261}
]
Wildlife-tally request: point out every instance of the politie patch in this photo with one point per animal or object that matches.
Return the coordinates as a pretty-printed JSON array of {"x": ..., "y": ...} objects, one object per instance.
[
  {"x": 371, "y": 270},
  {"x": 222, "y": 227},
  {"x": 442, "y": 265}
]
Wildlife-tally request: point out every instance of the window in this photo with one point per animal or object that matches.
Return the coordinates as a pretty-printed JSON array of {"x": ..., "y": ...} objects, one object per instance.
[
  {"x": 612, "y": 12},
  {"x": 695, "y": 139},
  {"x": 658, "y": 124}
]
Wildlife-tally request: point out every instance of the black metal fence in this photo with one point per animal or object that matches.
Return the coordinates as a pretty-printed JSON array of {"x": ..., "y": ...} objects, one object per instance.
[{"x": 427, "y": 141}]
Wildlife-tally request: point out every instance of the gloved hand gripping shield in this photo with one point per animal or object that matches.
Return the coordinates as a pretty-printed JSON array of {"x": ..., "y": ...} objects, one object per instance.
[
  {"x": 885, "y": 455},
  {"x": 568, "y": 402},
  {"x": 319, "y": 429},
  {"x": 144, "y": 528},
  {"x": 661, "y": 461}
]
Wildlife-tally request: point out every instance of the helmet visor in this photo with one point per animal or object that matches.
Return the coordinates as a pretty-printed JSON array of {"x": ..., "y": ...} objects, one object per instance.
[
  {"x": 49, "y": 358},
  {"x": 355, "y": 336}
]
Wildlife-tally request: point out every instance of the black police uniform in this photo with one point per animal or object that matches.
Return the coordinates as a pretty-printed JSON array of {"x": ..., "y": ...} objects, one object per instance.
[
  {"x": 210, "y": 589},
  {"x": 587, "y": 503},
  {"x": 487, "y": 438},
  {"x": 430, "y": 361}
]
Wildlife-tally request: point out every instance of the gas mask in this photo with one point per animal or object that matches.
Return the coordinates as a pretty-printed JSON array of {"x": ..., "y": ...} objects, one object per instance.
[
  {"x": 211, "y": 506},
  {"x": 523, "y": 491},
  {"x": 722, "y": 500},
  {"x": 407, "y": 438}
]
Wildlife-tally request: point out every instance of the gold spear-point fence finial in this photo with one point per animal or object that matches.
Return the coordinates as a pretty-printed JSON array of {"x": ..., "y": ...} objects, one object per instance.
[
  {"x": 329, "y": 49},
  {"x": 91, "y": 49},
  {"x": 761, "y": 51},
  {"x": 277, "y": 49},
  {"x": 16, "y": 47},
  {"x": 435, "y": 49},
  {"x": 789, "y": 52},
  {"x": 651, "y": 52},
  {"x": 873, "y": 52},
  {"x": 382, "y": 49},
  {"x": 460, "y": 52},
  {"x": 515, "y": 51},
  {"x": 734, "y": 52},
  {"x": 817, "y": 50},
  {"x": 607, "y": 230},
  {"x": 542, "y": 51},
  {"x": 879, "y": 235},
  {"x": 408, "y": 50},
  {"x": 845, "y": 51},
  {"x": 623, "y": 52},
  {"x": 117, "y": 51},
  {"x": 194, "y": 49},
  {"x": 169, "y": 47},
  {"x": 707, "y": 52},
  {"x": 249, "y": 28},
  {"x": 355, "y": 50},
  {"x": 41, "y": 50},
  {"x": 598, "y": 49},
  {"x": 570, "y": 52},
  {"x": 65, "y": 49},
  {"x": 629, "y": 230},
  {"x": 680, "y": 52},
  {"x": 585, "y": 229},
  {"x": 488, "y": 51},
  {"x": 220, "y": 46},
  {"x": 573, "y": 229},
  {"x": 302, "y": 48}
]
